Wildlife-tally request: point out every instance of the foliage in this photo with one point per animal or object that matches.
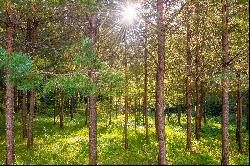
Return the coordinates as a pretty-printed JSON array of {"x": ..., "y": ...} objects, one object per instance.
[{"x": 17, "y": 65}]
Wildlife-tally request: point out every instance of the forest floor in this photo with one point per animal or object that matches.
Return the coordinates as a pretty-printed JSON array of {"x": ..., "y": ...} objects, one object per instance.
[{"x": 53, "y": 145}]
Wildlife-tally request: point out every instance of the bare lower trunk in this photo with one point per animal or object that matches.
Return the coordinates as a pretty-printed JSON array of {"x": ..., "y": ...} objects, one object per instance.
[
  {"x": 203, "y": 108},
  {"x": 10, "y": 125},
  {"x": 92, "y": 130},
  {"x": 239, "y": 116},
  {"x": 24, "y": 114},
  {"x": 225, "y": 83},
  {"x": 135, "y": 110},
  {"x": 31, "y": 118},
  {"x": 110, "y": 108},
  {"x": 247, "y": 124},
  {"x": 73, "y": 102}
]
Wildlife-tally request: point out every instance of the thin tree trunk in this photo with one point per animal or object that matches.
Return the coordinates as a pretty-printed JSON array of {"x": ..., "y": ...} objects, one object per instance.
[
  {"x": 92, "y": 101},
  {"x": 225, "y": 88},
  {"x": 145, "y": 97},
  {"x": 110, "y": 109},
  {"x": 135, "y": 110},
  {"x": 92, "y": 130},
  {"x": 55, "y": 107},
  {"x": 9, "y": 112},
  {"x": 31, "y": 118},
  {"x": 62, "y": 109},
  {"x": 116, "y": 107},
  {"x": 239, "y": 116},
  {"x": 24, "y": 114},
  {"x": 203, "y": 108},
  {"x": 72, "y": 106},
  {"x": 198, "y": 114},
  {"x": 247, "y": 124},
  {"x": 126, "y": 96},
  {"x": 15, "y": 99},
  {"x": 160, "y": 85},
  {"x": 188, "y": 87}
]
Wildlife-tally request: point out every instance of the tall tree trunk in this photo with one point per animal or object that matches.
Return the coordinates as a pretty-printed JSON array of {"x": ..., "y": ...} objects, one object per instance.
[
  {"x": 160, "y": 85},
  {"x": 225, "y": 88},
  {"x": 62, "y": 109},
  {"x": 198, "y": 114},
  {"x": 31, "y": 39},
  {"x": 92, "y": 101},
  {"x": 179, "y": 111},
  {"x": 31, "y": 116},
  {"x": 239, "y": 116},
  {"x": 188, "y": 86},
  {"x": 145, "y": 97},
  {"x": 126, "y": 96},
  {"x": 24, "y": 114},
  {"x": 10, "y": 158}
]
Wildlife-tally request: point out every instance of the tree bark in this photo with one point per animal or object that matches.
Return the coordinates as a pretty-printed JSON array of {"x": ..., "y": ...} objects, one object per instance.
[
  {"x": 145, "y": 97},
  {"x": 160, "y": 85},
  {"x": 24, "y": 114},
  {"x": 92, "y": 130},
  {"x": 55, "y": 107},
  {"x": 135, "y": 110},
  {"x": 239, "y": 116},
  {"x": 247, "y": 124},
  {"x": 203, "y": 107},
  {"x": 9, "y": 112},
  {"x": 31, "y": 116},
  {"x": 188, "y": 86},
  {"x": 73, "y": 102},
  {"x": 198, "y": 114},
  {"x": 93, "y": 100},
  {"x": 225, "y": 88},
  {"x": 10, "y": 125},
  {"x": 126, "y": 96}
]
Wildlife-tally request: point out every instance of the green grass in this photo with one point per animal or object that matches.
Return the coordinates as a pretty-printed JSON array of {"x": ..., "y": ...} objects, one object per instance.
[{"x": 69, "y": 145}]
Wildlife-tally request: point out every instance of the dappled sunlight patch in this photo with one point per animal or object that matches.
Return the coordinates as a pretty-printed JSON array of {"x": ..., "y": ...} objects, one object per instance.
[{"x": 53, "y": 145}]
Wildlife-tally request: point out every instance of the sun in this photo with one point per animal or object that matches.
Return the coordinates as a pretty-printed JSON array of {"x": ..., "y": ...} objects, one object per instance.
[{"x": 129, "y": 14}]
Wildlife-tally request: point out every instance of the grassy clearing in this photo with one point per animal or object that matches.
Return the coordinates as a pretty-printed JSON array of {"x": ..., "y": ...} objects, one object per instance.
[{"x": 53, "y": 145}]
